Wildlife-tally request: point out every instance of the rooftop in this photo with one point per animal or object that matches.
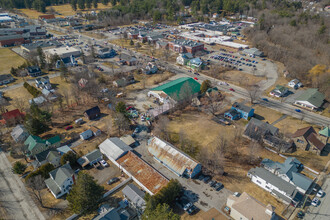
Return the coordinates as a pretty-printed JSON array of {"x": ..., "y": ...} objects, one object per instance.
[
  {"x": 312, "y": 96},
  {"x": 114, "y": 147},
  {"x": 143, "y": 172},
  {"x": 251, "y": 208}
]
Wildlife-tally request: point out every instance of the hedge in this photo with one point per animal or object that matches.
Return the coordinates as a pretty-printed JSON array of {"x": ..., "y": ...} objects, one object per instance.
[{"x": 33, "y": 91}]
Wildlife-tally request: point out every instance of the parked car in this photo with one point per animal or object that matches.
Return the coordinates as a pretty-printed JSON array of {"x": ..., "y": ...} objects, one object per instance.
[
  {"x": 187, "y": 206},
  {"x": 264, "y": 99},
  {"x": 212, "y": 183},
  {"x": 206, "y": 179},
  {"x": 218, "y": 186},
  {"x": 68, "y": 127},
  {"x": 201, "y": 177},
  {"x": 315, "y": 202},
  {"x": 231, "y": 89},
  {"x": 195, "y": 78},
  {"x": 196, "y": 73},
  {"x": 113, "y": 180},
  {"x": 298, "y": 110},
  {"x": 320, "y": 193},
  {"x": 191, "y": 210},
  {"x": 103, "y": 163}
]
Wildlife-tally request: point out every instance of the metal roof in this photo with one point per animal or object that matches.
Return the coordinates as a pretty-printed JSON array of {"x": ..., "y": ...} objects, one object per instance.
[
  {"x": 171, "y": 156},
  {"x": 175, "y": 87},
  {"x": 312, "y": 96},
  {"x": 135, "y": 195},
  {"x": 114, "y": 147},
  {"x": 142, "y": 172}
]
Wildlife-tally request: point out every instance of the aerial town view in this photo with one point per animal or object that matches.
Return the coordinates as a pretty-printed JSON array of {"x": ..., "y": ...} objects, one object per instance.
[{"x": 164, "y": 109}]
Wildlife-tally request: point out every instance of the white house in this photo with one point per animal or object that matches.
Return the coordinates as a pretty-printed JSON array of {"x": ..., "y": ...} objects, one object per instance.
[
  {"x": 19, "y": 133},
  {"x": 295, "y": 84},
  {"x": 311, "y": 99},
  {"x": 174, "y": 159},
  {"x": 275, "y": 185},
  {"x": 86, "y": 134},
  {"x": 60, "y": 181},
  {"x": 183, "y": 58}
]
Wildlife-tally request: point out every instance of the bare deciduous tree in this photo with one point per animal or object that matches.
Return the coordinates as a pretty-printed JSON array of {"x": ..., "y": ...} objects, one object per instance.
[
  {"x": 254, "y": 92},
  {"x": 36, "y": 184},
  {"x": 161, "y": 128}
]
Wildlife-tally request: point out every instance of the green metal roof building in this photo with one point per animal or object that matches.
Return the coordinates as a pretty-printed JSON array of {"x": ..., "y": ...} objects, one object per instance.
[
  {"x": 325, "y": 132},
  {"x": 311, "y": 98},
  {"x": 178, "y": 88}
]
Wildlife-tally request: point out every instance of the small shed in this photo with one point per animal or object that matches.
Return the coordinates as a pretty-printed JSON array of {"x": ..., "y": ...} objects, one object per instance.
[
  {"x": 86, "y": 134},
  {"x": 95, "y": 131},
  {"x": 93, "y": 113}
]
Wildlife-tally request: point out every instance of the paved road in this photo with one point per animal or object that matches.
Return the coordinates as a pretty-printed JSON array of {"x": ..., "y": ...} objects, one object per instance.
[
  {"x": 321, "y": 212},
  {"x": 14, "y": 196},
  {"x": 285, "y": 108}
]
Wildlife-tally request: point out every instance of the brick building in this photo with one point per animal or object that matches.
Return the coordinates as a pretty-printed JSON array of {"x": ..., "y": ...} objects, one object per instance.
[{"x": 185, "y": 46}]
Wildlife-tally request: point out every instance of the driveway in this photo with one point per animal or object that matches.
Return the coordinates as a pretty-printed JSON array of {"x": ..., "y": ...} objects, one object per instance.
[
  {"x": 322, "y": 211},
  {"x": 14, "y": 197},
  {"x": 103, "y": 174},
  {"x": 202, "y": 194}
]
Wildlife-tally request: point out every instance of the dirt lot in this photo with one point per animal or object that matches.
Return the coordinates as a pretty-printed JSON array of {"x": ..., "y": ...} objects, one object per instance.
[
  {"x": 148, "y": 81},
  {"x": 9, "y": 59}
]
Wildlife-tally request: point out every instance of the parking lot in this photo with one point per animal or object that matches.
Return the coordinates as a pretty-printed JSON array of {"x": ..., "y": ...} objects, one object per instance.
[{"x": 103, "y": 174}]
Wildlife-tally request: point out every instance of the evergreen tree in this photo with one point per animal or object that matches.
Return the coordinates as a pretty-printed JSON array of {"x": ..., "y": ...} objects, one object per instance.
[
  {"x": 85, "y": 194},
  {"x": 42, "y": 58},
  {"x": 95, "y": 3},
  {"x": 205, "y": 85},
  {"x": 81, "y": 4},
  {"x": 73, "y": 5},
  {"x": 33, "y": 125},
  {"x": 105, "y": 2},
  {"x": 162, "y": 211},
  {"x": 113, "y": 2},
  {"x": 71, "y": 157},
  {"x": 19, "y": 167},
  {"x": 88, "y": 4}
]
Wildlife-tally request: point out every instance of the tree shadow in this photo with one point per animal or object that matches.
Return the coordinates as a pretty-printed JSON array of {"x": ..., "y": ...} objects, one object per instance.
[{"x": 261, "y": 118}]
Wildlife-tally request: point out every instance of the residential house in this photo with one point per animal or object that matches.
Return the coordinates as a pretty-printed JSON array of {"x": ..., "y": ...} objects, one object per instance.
[
  {"x": 290, "y": 172},
  {"x": 46, "y": 17},
  {"x": 114, "y": 148},
  {"x": 19, "y": 133},
  {"x": 125, "y": 59},
  {"x": 113, "y": 214},
  {"x": 5, "y": 79},
  {"x": 105, "y": 53},
  {"x": 173, "y": 90},
  {"x": 279, "y": 91},
  {"x": 183, "y": 58},
  {"x": 150, "y": 68},
  {"x": 133, "y": 34},
  {"x": 196, "y": 64},
  {"x": 95, "y": 130},
  {"x": 239, "y": 110},
  {"x": 60, "y": 181},
  {"x": 295, "y": 84},
  {"x": 185, "y": 46},
  {"x": 153, "y": 37},
  {"x": 124, "y": 81},
  {"x": 64, "y": 149},
  {"x": 306, "y": 138},
  {"x": 67, "y": 61},
  {"x": 174, "y": 159},
  {"x": 129, "y": 140},
  {"x": 162, "y": 45},
  {"x": 12, "y": 117},
  {"x": 311, "y": 99},
  {"x": 142, "y": 37},
  {"x": 38, "y": 100},
  {"x": 275, "y": 185},
  {"x": 86, "y": 134},
  {"x": 51, "y": 156},
  {"x": 49, "y": 94},
  {"x": 135, "y": 197},
  {"x": 260, "y": 131},
  {"x": 91, "y": 158},
  {"x": 33, "y": 71},
  {"x": 37, "y": 145},
  {"x": 43, "y": 83},
  {"x": 93, "y": 113},
  {"x": 247, "y": 207}
]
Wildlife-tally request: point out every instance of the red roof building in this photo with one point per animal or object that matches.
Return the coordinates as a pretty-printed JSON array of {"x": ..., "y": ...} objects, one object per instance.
[
  {"x": 13, "y": 116},
  {"x": 45, "y": 17}
]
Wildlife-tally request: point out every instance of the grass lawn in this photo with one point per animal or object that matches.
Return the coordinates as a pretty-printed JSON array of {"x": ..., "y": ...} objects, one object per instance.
[
  {"x": 18, "y": 95},
  {"x": 149, "y": 80},
  {"x": 9, "y": 59},
  {"x": 111, "y": 65},
  {"x": 240, "y": 78},
  {"x": 31, "y": 13}
]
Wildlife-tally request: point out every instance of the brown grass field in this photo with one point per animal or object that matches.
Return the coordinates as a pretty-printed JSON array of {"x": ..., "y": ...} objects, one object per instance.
[{"x": 9, "y": 59}]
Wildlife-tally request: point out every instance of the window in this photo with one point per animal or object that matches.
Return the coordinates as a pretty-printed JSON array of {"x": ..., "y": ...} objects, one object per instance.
[{"x": 258, "y": 182}]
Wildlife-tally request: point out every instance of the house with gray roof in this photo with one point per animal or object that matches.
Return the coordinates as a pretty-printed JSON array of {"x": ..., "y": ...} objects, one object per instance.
[
  {"x": 135, "y": 196},
  {"x": 51, "y": 156},
  {"x": 114, "y": 148},
  {"x": 290, "y": 172},
  {"x": 277, "y": 186},
  {"x": 91, "y": 158},
  {"x": 110, "y": 213},
  {"x": 60, "y": 181},
  {"x": 311, "y": 99},
  {"x": 19, "y": 134}
]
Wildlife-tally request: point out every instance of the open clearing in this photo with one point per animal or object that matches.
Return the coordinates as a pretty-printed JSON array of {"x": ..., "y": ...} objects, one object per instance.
[
  {"x": 9, "y": 59},
  {"x": 66, "y": 9}
]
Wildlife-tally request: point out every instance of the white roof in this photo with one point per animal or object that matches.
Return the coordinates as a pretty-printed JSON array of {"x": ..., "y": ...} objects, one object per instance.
[
  {"x": 62, "y": 50},
  {"x": 114, "y": 148},
  {"x": 234, "y": 45}
]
